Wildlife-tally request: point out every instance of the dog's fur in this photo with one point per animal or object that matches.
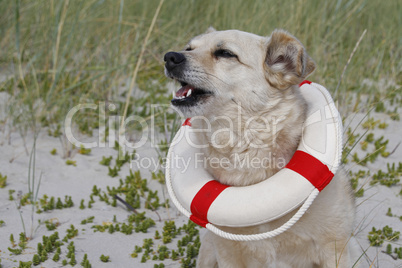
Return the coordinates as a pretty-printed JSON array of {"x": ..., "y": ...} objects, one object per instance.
[{"x": 254, "y": 109}]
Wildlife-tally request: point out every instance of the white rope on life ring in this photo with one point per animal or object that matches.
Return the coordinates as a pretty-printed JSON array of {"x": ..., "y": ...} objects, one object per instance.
[{"x": 208, "y": 203}]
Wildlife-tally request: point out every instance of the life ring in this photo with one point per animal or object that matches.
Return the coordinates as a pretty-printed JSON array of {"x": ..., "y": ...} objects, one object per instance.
[{"x": 209, "y": 203}]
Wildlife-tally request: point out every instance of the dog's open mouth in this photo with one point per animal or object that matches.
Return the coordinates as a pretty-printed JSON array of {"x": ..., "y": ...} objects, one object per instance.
[{"x": 189, "y": 95}]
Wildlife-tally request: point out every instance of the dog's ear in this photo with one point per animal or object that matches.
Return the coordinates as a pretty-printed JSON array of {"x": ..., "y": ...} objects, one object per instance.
[
  {"x": 286, "y": 62},
  {"x": 210, "y": 30}
]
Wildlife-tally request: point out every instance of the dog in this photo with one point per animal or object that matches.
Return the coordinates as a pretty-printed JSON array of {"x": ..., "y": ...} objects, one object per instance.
[{"x": 242, "y": 93}]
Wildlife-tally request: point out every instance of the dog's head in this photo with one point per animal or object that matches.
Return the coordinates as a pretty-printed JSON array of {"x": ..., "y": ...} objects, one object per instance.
[{"x": 219, "y": 68}]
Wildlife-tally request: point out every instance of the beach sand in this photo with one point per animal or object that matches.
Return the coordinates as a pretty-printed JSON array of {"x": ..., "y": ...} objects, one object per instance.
[{"x": 59, "y": 180}]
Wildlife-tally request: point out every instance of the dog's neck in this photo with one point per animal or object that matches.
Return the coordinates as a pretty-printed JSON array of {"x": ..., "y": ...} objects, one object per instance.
[{"x": 246, "y": 147}]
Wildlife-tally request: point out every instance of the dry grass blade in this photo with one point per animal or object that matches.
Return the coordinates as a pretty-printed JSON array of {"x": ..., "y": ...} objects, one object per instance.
[
  {"x": 144, "y": 45},
  {"x": 348, "y": 62},
  {"x": 59, "y": 30}
]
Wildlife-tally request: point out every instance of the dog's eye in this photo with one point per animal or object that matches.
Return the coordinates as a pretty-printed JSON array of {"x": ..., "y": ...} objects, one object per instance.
[
  {"x": 188, "y": 49},
  {"x": 223, "y": 53}
]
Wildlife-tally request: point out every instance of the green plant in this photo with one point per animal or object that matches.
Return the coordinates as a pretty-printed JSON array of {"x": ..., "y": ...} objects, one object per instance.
[
  {"x": 48, "y": 204},
  {"x": 364, "y": 145},
  {"x": 54, "y": 132},
  {"x": 71, "y": 249},
  {"x": 84, "y": 150},
  {"x": 104, "y": 258},
  {"x": 157, "y": 235},
  {"x": 137, "y": 250},
  {"x": 56, "y": 257},
  {"x": 49, "y": 244},
  {"x": 377, "y": 237},
  {"x": 389, "y": 213},
  {"x": 82, "y": 206},
  {"x": 370, "y": 138},
  {"x": 71, "y": 233},
  {"x": 163, "y": 253},
  {"x": 389, "y": 178},
  {"x": 70, "y": 162},
  {"x": 44, "y": 256},
  {"x": 113, "y": 172},
  {"x": 26, "y": 264},
  {"x": 72, "y": 262},
  {"x": 85, "y": 262},
  {"x": 106, "y": 161},
  {"x": 354, "y": 177},
  {"x": 52, "y": 224},
  {"x": 88, "y": 220},
  {"x": 380, "y": 149},
  {"x": 68, "y": 202},
  {"x": 159, "y": 176},
  {"x": 398, "y": 252},
  {"x": 10, "y": 194},
  {"x": 3, "y": 181},
  {"x": 145, "y": 257},
  {"x": 360, "y": 192},
  {"x": 389, "y": 249},
  {"x": 394, "y": 114},
  {"x": 122, "y": 159},
  {"x": 175, "y": 255},
  {"x": 59, "y": 204},
  {"x": 23, "y": 241},
  {"x": 383, "y": 125},
  {"x": 370, "y": 123},
  {"x": 12, "y": 241},
  {"x": 15, "y": 251},
  {"x": 169, "y": 231}
]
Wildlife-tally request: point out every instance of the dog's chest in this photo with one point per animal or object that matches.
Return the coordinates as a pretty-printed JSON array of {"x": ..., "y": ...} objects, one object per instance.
[{"x": 239, "y": 168}]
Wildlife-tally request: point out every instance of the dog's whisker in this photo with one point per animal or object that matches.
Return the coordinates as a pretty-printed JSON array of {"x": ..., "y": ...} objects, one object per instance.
[{"x": 214, "y": 76}]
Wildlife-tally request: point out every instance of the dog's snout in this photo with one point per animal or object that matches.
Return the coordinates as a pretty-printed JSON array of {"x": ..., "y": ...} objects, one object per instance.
[{"x": 174, "y": 59}]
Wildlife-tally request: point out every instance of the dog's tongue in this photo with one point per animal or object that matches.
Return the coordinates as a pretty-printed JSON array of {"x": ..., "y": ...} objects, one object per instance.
[{"x": 182, "y": 92}]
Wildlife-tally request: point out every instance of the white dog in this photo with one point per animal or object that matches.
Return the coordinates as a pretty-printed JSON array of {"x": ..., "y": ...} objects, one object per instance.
[{"x": 238, "y": 82}]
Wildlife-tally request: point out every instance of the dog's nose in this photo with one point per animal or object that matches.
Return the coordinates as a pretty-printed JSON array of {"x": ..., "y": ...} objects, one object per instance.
[{"x": 173, "y": 59}]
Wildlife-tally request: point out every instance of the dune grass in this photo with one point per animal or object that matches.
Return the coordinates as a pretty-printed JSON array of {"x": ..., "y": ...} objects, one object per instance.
[{"x": 58, "y": 54}]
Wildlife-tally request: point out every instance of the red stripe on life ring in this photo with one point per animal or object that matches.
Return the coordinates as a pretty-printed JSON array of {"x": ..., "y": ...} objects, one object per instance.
[
  {"x": 310, "y": 168},
  {"x": 203, "y": 200},
  {"x": 305, "y": 82},
  {"x": 187, "y": 122}
]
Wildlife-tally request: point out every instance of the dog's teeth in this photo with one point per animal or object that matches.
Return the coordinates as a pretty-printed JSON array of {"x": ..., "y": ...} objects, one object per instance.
[
  {"x": 188, "y": 93},
  {"x": 173, "y": 94}
]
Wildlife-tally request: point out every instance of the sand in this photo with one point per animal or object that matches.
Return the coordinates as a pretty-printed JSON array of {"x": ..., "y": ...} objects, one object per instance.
[{"x": 59, "y": 180}]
